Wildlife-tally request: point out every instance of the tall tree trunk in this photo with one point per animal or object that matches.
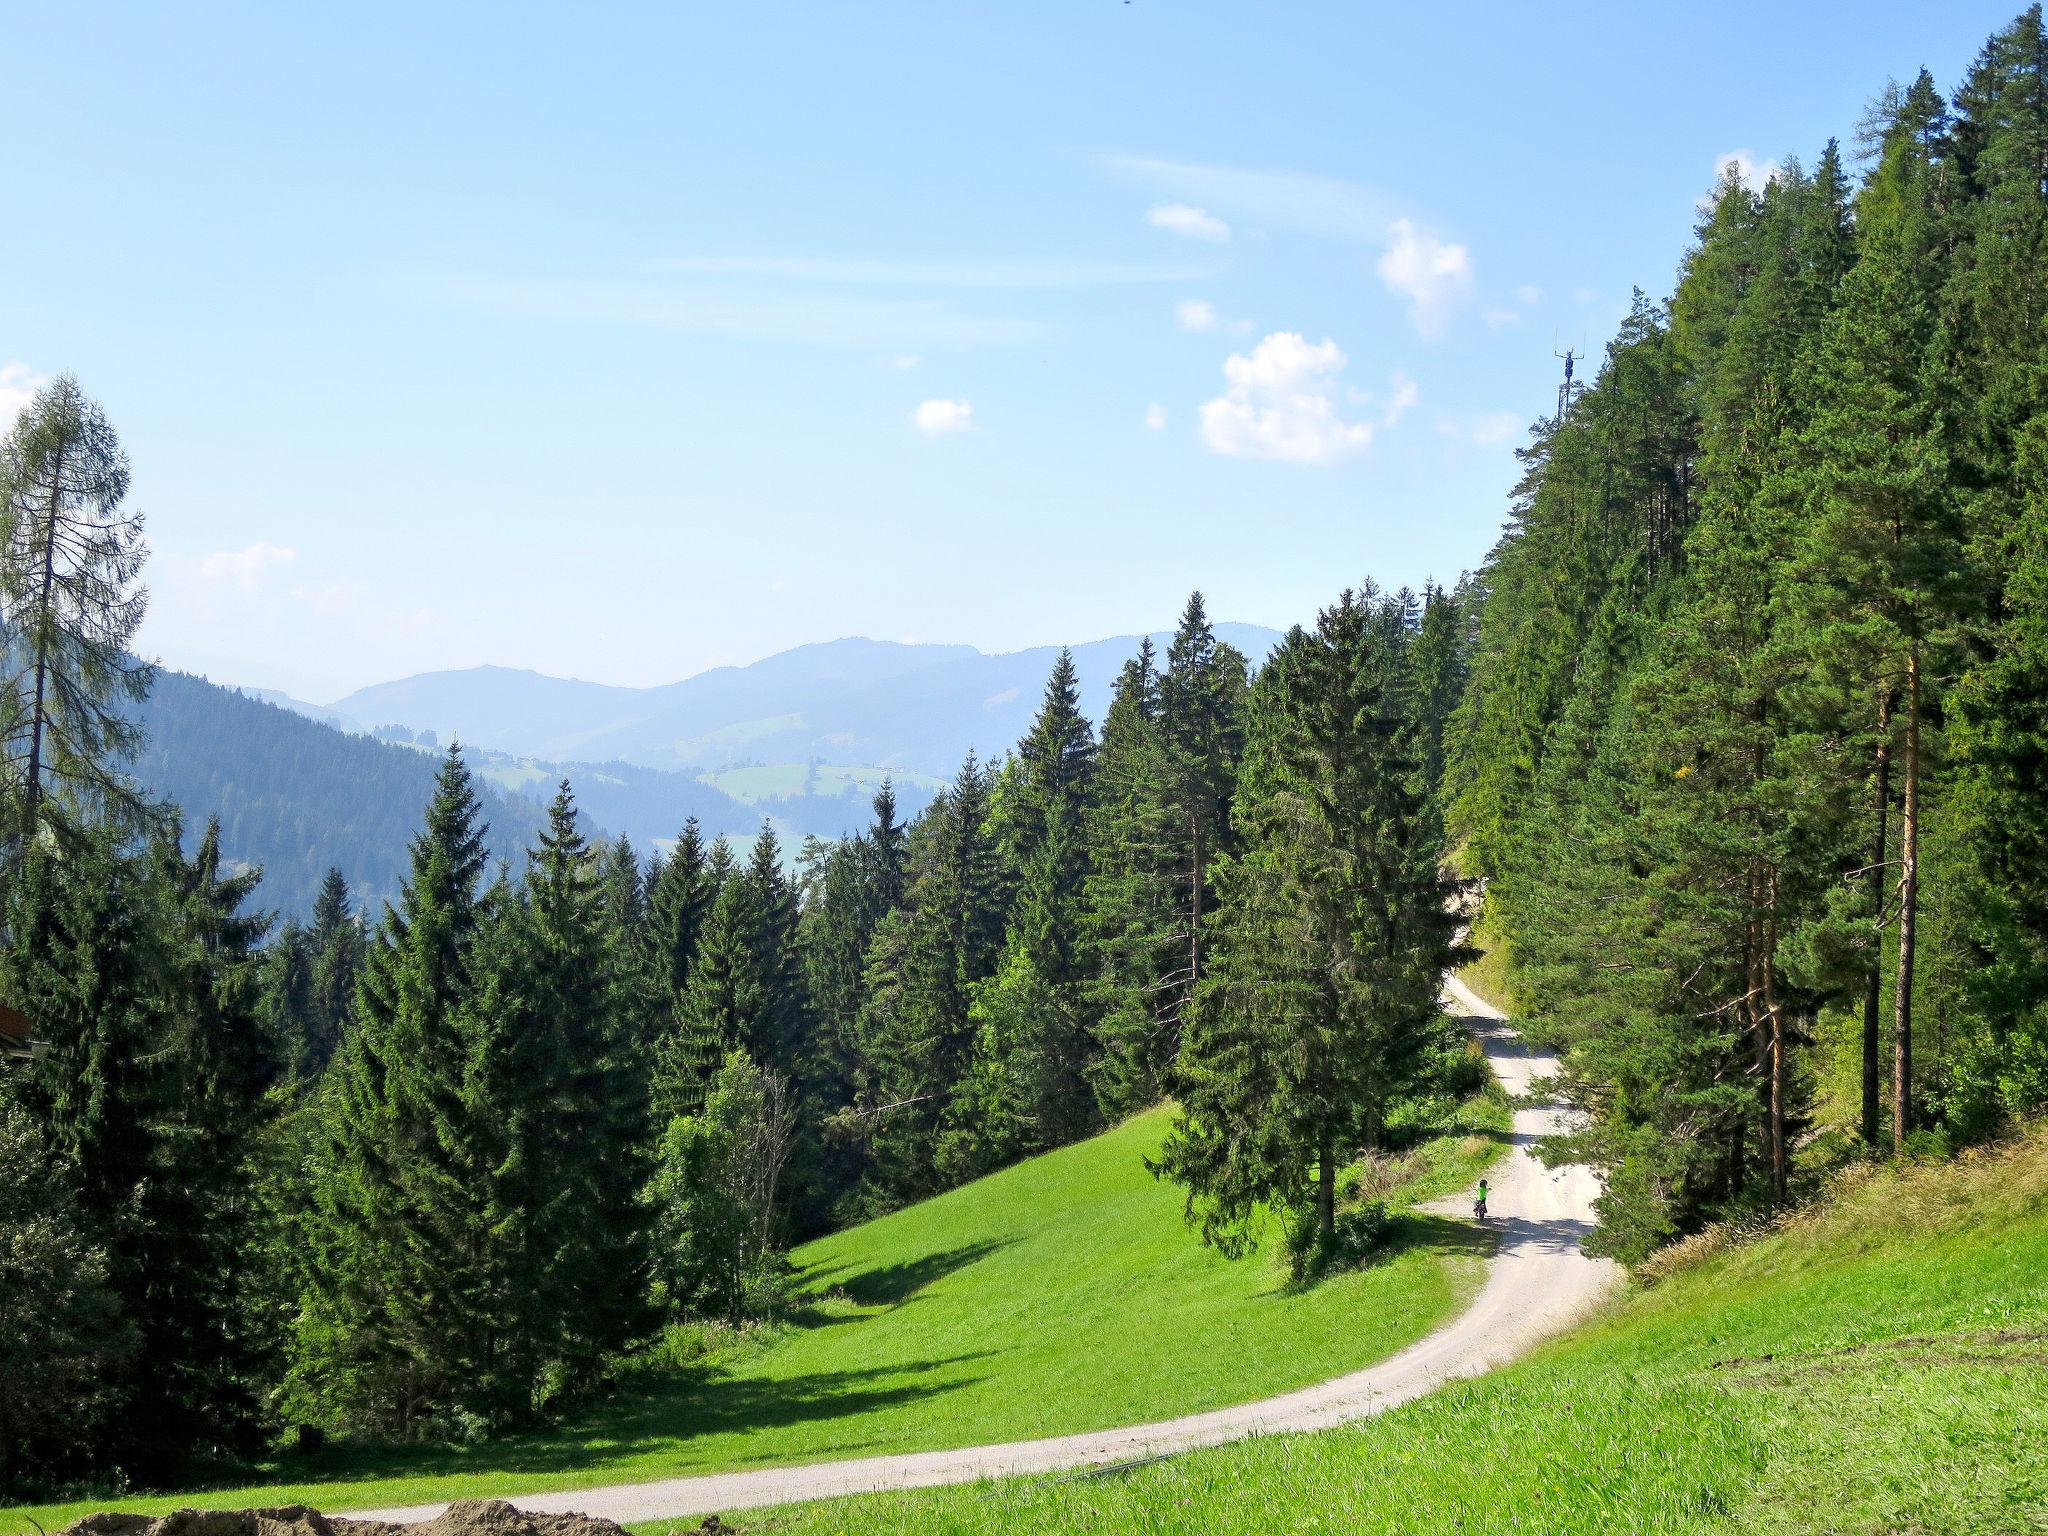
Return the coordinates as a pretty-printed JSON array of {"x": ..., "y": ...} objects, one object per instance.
[
  {"x": 1774, "y": 1015},
  {"x": 33, "y": 799},
  {"x": 1195, "y": 904},
  {"x": 1326, "y": 1190},
  {"x": 1873, "y": 980},
  {"x": 1909, "y": 900}
]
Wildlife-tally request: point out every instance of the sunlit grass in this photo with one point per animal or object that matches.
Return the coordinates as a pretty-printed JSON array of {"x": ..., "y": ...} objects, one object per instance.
[
  {"x": 1060, "y": 1295},
  {"x": 1879, "y": 1364}
]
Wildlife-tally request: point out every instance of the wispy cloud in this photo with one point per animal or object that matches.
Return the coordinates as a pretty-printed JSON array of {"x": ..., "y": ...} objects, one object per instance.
[
  {"x": 892, "y": 272},
  {"x": 1280, "y": 404},
  {"x": 883, "y": 324},
  {"x": 18, "y": 386},
  {"x": 1199, "y": 316},
  {"x": 1189, "y": 222},
  {"x": 1431, "y": 274},
  {"x": 1749, "y": 168},
  {"x": 940, "y": 418},
  {"x": 1295, "y": 201},
  {"x": 1489, "y": 430},
  {"x": 1155, "y": 417},
  {"x": 243, "y": 567}
]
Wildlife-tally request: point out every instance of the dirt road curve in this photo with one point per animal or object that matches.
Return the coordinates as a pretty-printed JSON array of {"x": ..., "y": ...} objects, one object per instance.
[{"x": 1539, "y": 1282}]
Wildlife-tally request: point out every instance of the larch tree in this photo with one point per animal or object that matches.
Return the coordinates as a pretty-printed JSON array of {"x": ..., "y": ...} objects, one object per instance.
[{"x": 71, "y": 600}]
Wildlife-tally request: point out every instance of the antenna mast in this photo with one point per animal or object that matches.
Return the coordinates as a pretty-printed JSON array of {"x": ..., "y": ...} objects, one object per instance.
[{"x": 1567, "y": 389}]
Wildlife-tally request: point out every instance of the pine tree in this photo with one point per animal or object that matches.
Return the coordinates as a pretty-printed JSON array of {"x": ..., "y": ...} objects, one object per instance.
[
  {"x": 1201, "y": 727},
  {"x": 335, "y": 943},
  {"x": 1337, "y": 925},
  {"x": 778, "y": 1036},
  {"x": 60, "y": 1322},
  {"x": 1130, "y": 916},
  {"x": 1027, "y": 1083},
  {"x": 723, "y": 1004},
  {"x": 70, "y": 557},
  {"x": 1883, "y": 571},
  {"x": 950, "y": 942},
  {"x": 594, "y": 1259},
  {"x": 383, "y": 1334},
  {"x": 678, "y": 901},
  {"x": 141, "y": 974}
]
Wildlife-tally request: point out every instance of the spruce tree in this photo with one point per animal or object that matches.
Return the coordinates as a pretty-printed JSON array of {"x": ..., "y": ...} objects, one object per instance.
[
  {"x": 1883, "y": 572},
  {"x": 335, "y": 943},
  {"x": 593, "y": 1261},
  {"x": 678, "y": 901},
  {"x": 778, "y": 1035},
  {"x": 383, "y": 1332},
  {"x": 723, "y": 1004},
  {"x": 1330, "y": 947},
  {"x": 1201, "y": 727},
  {"x": 1130, "y": 914}
]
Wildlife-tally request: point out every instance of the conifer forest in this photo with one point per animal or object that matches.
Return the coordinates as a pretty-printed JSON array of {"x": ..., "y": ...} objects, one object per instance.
[{"x": 1726, "y": 773}]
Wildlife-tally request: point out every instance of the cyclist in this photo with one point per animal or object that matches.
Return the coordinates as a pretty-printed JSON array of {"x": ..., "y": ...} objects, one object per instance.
[{"x": 1479, "y": 1205}]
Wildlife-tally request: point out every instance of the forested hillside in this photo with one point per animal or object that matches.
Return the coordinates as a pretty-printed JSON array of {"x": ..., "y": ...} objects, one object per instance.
[
  {"x": 297, "y": 798},
  {"x": 884, "y": 705},
  {"x": 1754, "y": 756},
  {"x": 1739, "y": 738}
]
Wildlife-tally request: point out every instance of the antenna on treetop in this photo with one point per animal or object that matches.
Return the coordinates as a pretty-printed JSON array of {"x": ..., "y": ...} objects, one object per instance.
[{"x": 1568, "y": 388}]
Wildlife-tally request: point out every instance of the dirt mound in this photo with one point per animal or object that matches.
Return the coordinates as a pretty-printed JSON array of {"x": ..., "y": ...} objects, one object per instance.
[{"x": 468, "y": 1517}]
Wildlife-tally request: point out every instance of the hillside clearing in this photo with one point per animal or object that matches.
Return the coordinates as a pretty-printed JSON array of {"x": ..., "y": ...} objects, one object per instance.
[
  {"x": 1059, "y": 1295},
  {"x": 1878, "y": 1365}
]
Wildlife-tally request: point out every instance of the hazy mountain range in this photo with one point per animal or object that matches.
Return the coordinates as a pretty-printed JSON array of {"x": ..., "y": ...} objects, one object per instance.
[
  {"x": 800, "y": 739},
  {"x": 870, "y": 703}
]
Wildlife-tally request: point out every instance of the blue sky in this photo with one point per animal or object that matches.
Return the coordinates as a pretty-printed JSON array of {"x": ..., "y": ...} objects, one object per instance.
[{"x": 619, "y": 342}]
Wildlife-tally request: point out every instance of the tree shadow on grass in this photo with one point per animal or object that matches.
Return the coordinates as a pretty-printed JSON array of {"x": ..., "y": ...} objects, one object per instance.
[
  {"x": 886, "y": 1285},
  {"x": 700, "y": 1404},
  {"x": 1407, "y": 1232}
]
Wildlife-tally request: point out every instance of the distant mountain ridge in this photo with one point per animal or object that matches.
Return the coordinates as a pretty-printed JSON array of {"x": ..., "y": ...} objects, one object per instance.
[
  {"x": 876, "y": 703},
  {"x": 800, "y": 740}
]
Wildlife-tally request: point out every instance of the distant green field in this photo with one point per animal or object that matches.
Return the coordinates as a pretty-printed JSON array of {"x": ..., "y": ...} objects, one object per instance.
[
  {"x": 777, "y": 781},
  {"x": 1880, "y": 1366},
  {"x": 1060, "y": 1295}
]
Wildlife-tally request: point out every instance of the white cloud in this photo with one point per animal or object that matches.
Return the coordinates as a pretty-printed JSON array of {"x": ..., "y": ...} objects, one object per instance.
[
  {"x": 1190, "y": 222},
  {"x": 1155, "y": 417},
  {"x": 1295, "y": 201},
  {"x": 1429, "y": 273},
  {"x": 18, "y": 386},
  {"x": 936, "y": 418},
  {"x": 243, "y": 567},
  {"x": 1488, "y": 431},
  {"x": 1199, "y": 315},
  {"x": 1750, "y": 169},
  {"x": 1281, "y": 404},
  {"x": 1529, "y": 293},
  {"x": 872, "y": 322},
  {"x": 917, "y": 273},
  {"x": 907, "y": 361},
  {"x": 1495, "y": 427}
]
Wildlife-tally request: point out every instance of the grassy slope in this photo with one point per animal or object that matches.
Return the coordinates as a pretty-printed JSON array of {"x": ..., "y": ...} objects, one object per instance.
[
  {"x": 1878, "y": 1366},
  {"x": 1059, "y": 1295},
  {"x": 770, "y": 781}
]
